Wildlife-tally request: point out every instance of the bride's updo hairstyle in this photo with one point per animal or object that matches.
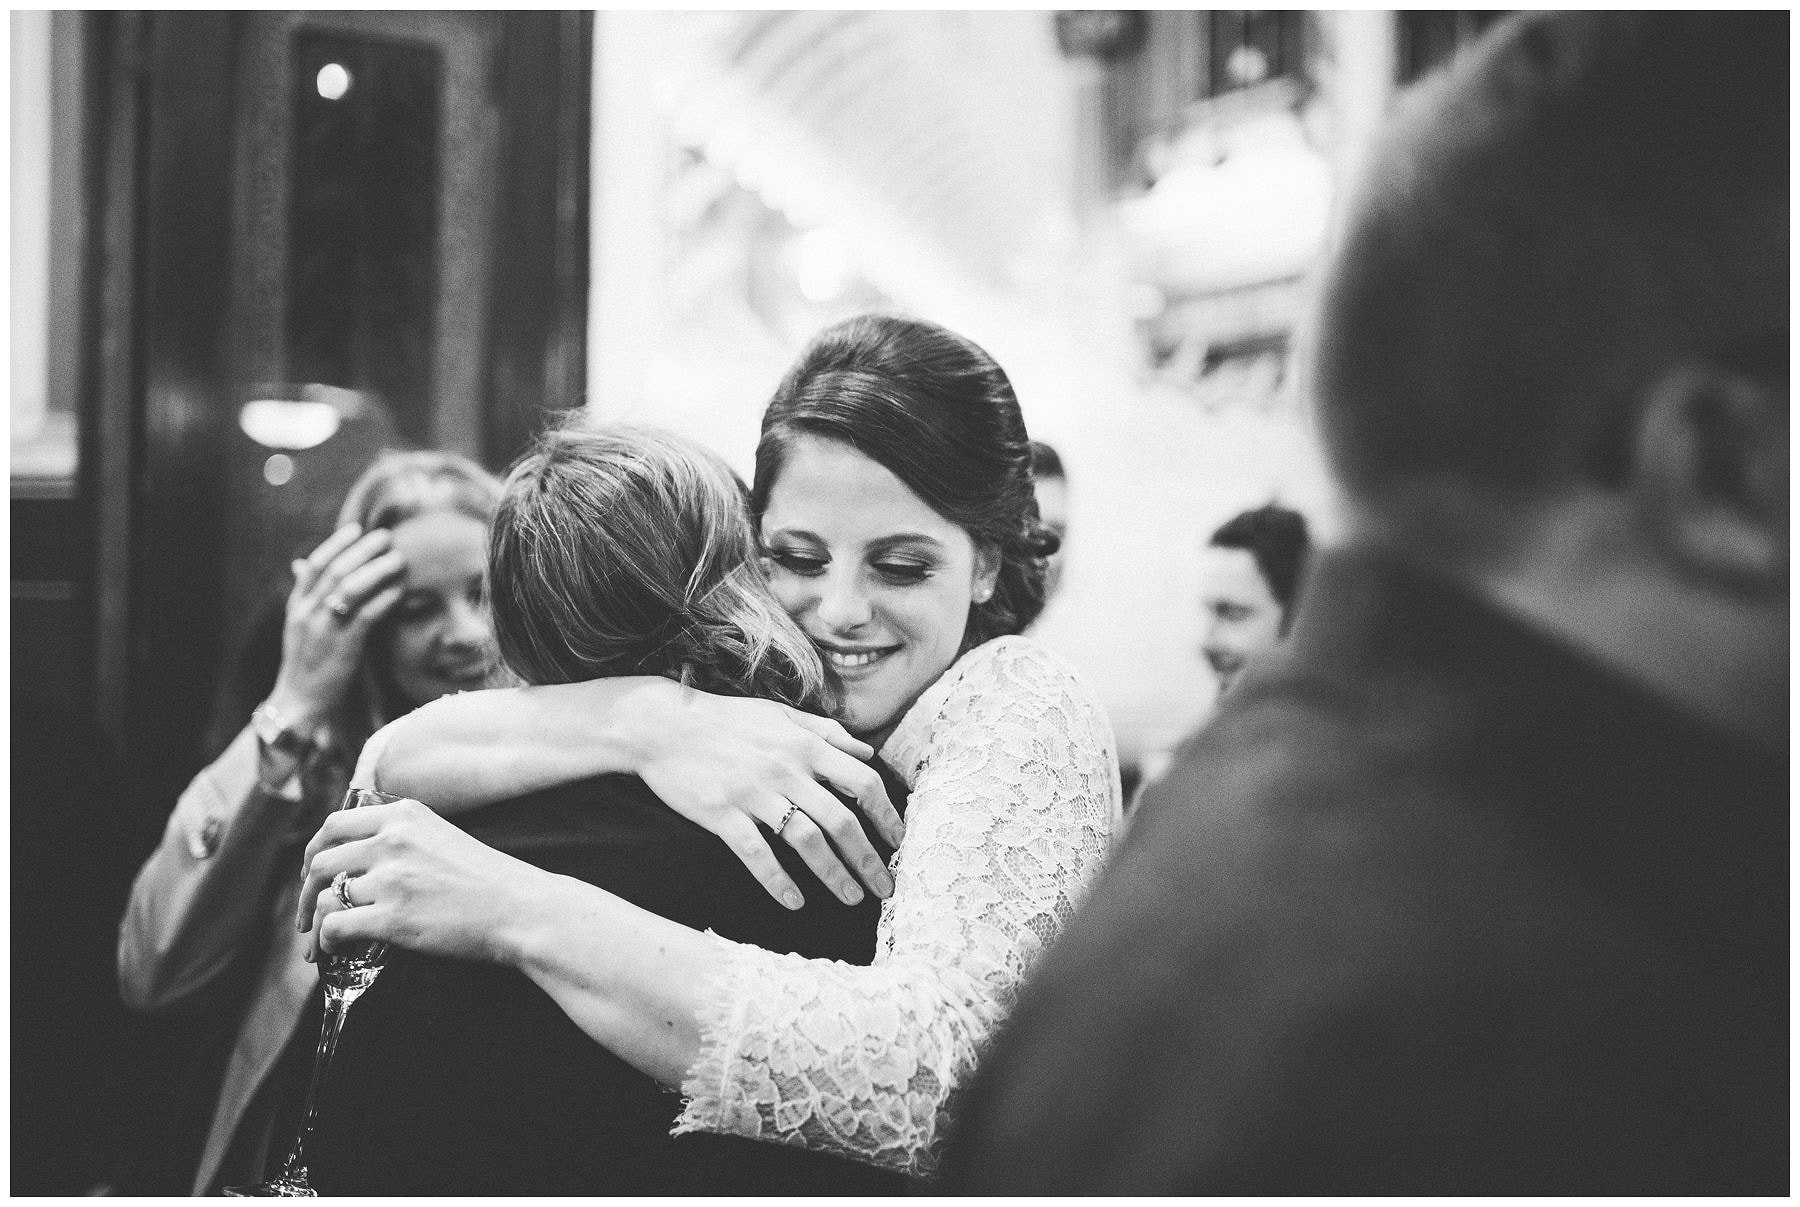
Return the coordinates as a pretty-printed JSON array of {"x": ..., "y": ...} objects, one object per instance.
[
  {"x": 936, "y": 411},
  {"x": 625, "y": 550}
]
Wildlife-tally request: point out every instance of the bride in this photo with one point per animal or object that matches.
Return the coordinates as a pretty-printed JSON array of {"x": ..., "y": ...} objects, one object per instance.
[{"x": 894, "y": 503}]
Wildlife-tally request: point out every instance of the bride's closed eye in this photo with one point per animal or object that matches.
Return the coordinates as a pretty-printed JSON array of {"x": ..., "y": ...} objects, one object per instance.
[
  {"x": 796, "y": 562},
  {"x": 904, "y": 574}
]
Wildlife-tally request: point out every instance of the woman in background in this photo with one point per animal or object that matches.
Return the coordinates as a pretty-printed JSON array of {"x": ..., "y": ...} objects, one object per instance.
[
  {"x": 386, "y": 614},
  {"x": 898, "y": 530}
]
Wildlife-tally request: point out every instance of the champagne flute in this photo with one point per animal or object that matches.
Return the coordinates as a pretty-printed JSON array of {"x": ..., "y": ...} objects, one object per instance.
[{"x": 347, "y": 976}]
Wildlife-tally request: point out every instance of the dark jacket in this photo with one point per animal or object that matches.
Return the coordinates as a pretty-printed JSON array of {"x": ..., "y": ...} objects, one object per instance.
[
  {"x": 463, "y": 1078},
  {"x": 1435, "y": 906}
]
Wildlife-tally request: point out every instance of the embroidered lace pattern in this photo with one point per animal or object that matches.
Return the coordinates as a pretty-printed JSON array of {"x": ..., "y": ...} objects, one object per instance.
[{"x": 1015, "y": 796}]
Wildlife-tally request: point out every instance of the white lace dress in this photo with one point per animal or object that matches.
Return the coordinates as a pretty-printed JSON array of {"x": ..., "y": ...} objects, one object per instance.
[{"x": 1014, "y": 798}]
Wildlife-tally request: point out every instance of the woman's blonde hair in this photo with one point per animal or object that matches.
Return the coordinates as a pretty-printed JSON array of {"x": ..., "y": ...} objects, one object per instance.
[
  {"x": 399, "y": 485},
  {"x": 623, "y": 550}
]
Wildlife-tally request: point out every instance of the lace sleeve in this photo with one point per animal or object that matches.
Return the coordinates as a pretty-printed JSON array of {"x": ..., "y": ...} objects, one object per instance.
[{"x": 1015, "y": 794}]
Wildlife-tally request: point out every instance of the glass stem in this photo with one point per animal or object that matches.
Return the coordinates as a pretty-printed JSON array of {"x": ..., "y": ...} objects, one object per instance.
[{"x": 337, "y": 1004}]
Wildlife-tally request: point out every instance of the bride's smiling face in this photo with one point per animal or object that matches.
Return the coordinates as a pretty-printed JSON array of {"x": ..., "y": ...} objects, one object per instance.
[{"x": 879, "y": 582}]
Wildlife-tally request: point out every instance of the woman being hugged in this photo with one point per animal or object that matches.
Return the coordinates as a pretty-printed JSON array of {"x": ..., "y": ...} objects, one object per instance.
[
  {"x": 615, "y": 551},
  {"x": 386, "y": 614},
  {"x": 896, "y": 519}
]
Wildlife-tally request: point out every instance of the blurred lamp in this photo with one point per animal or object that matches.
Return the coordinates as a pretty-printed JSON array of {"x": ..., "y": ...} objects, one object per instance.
[
  {"x": 1247, "y": 65},
  {"x": 333, "y": 81},
  {"x": 290, "y": 423}
]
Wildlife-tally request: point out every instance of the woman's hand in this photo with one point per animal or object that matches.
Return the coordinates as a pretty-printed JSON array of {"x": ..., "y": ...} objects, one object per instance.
[
  {"x": 727, "y": 763},
  {"x": 340, "y": 590},
  {"x": 417, "y": 881}
]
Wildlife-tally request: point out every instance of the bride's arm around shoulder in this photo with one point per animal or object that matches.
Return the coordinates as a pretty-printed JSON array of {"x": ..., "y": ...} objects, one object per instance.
[
  {"x": 1012, "y": 744},
  {"x": 1015, "y": 795},
  {"x": 1014, "y": 681}
]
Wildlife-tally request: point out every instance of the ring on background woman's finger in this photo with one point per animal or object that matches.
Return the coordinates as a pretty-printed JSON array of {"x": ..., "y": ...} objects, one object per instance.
[{"x": 338, "y": 606}]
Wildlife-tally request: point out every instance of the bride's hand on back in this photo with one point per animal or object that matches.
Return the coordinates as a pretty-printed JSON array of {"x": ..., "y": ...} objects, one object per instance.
[
  {"x": 415, "y": 880},
  {"x": 728, "y": 763}
]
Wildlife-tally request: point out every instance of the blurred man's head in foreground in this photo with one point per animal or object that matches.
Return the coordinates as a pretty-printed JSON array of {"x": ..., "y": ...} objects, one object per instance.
[{"x": 1551, "y": 356}]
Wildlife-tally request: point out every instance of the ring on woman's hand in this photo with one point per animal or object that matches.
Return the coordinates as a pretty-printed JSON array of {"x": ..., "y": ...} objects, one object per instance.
[
  {"x": 337, "y": 605},
  {"x": 786, "y": 818},
  {"x": 340, "y": 884}
]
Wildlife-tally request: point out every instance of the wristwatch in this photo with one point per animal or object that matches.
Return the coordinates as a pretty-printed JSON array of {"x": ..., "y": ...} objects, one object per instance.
[{"x": 273, "y": 731}]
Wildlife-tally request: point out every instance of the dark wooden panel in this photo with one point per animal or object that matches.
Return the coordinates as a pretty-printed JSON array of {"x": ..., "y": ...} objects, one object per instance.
[
  {"x": 111, "y": 372},
  {"x": 49, "y": 541},
  {"x": 363, "y": 221},
  {"x": 48, "y": 642},
  {"x": 184, "y": 284},
  {"x": 538, "y": 310}
]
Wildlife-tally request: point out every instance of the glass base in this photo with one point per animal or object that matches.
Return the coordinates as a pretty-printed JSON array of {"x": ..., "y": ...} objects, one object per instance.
[{"x": 274, "y": 1188}]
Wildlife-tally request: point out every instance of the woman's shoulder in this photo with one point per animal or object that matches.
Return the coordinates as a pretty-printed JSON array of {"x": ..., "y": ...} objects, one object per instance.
[
  {"x": 1019, "y": 669},
  {"x": 1013, "y": 676},
  {"x": 1016, "y": 651}
]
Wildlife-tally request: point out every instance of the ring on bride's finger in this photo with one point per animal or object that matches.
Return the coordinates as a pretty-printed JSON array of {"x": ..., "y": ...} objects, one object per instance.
[
  {"x": 340, "y": 884},
  {"x": 338, "y": 606},
  {"x": 786, "y": 818}
]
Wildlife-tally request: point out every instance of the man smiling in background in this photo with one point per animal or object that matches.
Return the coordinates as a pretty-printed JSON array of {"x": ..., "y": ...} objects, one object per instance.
[{"x": 1252, "y": 569}]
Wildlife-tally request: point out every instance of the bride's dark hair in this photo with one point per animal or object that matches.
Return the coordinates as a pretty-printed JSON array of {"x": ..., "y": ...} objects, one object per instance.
[{"x": 626, "y": 550}]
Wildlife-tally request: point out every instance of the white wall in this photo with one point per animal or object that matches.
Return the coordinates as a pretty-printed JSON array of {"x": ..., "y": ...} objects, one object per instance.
[
  {"x": 30, "y": 227},
  {"x": 1151, "y": 475}
]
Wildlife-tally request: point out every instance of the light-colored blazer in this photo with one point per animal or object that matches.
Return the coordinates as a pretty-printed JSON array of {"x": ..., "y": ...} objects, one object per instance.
[{"x": 223, "y": 884}]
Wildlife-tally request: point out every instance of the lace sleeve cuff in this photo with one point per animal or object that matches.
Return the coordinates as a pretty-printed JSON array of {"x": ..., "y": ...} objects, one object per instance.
[{"x": 712, "y": 1105}]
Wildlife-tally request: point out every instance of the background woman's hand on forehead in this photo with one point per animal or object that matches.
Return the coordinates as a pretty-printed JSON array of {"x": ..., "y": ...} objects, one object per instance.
[{"x": 341, "y": 590}]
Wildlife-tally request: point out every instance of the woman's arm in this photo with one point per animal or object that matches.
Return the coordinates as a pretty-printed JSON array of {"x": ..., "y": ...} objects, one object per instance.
[
  {"x": 204, "y": 894},
  {"x": 1015, "y": 797},
  {"x": 471, "y": 749},
  {"x": 722, "y": 762}
]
